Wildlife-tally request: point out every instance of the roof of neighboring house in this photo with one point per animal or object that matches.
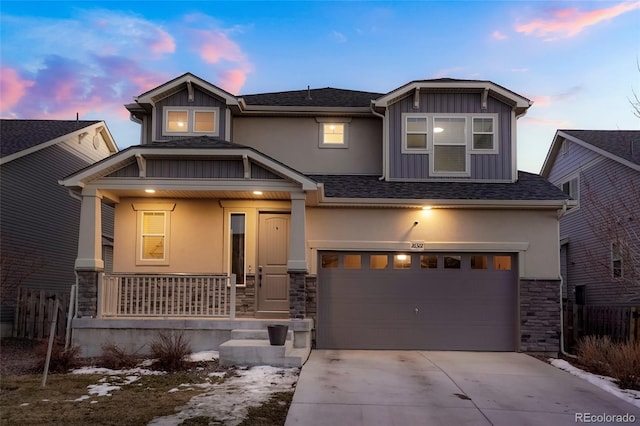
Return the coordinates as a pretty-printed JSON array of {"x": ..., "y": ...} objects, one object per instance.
[
  {"x": 528, "y": 187},
  {"x": 325, "y": 97},
  {"x": 621, "y": 143},
  {"x": 18, "y": 135}
]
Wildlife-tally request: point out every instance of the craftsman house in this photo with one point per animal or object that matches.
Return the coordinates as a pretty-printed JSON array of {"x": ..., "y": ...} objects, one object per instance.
[
  {"x": 600, "y": 238},
  {"x": 362, "y": 220},
  {"x": 39, "y": 220}
]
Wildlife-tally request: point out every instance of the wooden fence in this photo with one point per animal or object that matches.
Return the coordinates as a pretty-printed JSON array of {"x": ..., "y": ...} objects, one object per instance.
[
  {"x": 35, "y": 312},
  {"x": 620, "y": 323}
]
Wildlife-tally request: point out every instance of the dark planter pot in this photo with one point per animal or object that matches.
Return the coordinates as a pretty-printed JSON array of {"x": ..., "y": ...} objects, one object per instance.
[{"x": 277, "y": 334}]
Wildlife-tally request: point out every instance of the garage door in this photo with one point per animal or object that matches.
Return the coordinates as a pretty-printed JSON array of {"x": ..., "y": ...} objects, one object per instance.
[{"x": 443, "y": 301}]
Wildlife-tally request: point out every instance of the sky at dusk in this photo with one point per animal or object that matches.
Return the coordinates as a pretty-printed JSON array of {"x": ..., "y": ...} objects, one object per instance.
[{"x": 578, "y": 61}]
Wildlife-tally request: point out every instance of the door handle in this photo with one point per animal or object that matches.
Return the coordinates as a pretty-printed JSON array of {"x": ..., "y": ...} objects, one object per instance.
[{"x": 260, "y": 276}]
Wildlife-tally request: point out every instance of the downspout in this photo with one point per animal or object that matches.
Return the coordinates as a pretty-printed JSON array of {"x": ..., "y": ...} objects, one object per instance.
[
  {"x": 384, "y": 141},
  {"x": 562, "y": 349}
]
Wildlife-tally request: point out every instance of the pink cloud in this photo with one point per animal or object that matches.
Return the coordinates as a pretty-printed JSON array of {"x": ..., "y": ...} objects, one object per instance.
[
  {"x": 164, "y": 43},
  {"x": 560, "y": 124},
  {"x": 233, "y": 80},
  {"x": 569, "y": 22},
  {"x": 498, "y": 35},
  {"x": 546, "y": 100},
  {"x": 12, "y": 87}
]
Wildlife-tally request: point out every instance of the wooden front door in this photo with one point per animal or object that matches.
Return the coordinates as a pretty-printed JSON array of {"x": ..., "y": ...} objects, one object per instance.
[{"x": 273, "y": 253}]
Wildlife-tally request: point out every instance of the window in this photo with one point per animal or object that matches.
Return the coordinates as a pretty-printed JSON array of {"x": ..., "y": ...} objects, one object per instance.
[
  {"x": 238, "y": 247},
  {"x": 483, "y": 134},
  {"x": 378, "y": 261},
  {"x": 153, "y": 236},
  {"x": 415, "y": 133},
  {"x": 452, "y": 262},
  {"x": 449, "y": 145},
  {"x": 333, "y": 132},
  {"x": 402, "y": 261},
  {"x": 329, "y": 261},
  {"x": 352, "y": 261},
  {"x": 570, "y": 188},
  {"x": 502, "y": 263},
  {"x": 190, "y": 121},
  {"x": 153, "y": 230},
  {"x": 428, "y": 261},
  {"x": 617, "y": 266},
  {"x": 479, "y": 262}
]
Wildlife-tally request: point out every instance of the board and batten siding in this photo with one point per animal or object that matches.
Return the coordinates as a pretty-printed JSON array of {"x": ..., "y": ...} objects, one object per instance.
[
  {"x": 40, "y": 221},
  {"x": 483, "y": 166},
  {"x": 181, "y": 99},
  {"x": 601, "y": 182}
]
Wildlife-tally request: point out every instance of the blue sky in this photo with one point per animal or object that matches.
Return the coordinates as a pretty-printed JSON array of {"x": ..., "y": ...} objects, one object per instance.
[{"x": 578, "y": 61}]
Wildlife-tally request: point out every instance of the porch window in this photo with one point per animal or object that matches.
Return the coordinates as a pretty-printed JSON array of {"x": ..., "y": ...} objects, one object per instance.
[
  {"x": 238, "y": 247},
  {"x": 153, "y": 236}
]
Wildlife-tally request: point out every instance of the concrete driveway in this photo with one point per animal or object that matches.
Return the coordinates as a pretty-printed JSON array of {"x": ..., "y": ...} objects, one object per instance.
[{"x": 442, "y": 388}]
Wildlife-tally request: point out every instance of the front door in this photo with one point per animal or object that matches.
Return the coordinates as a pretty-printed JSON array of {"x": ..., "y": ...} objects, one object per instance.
[{"x": 273, "y": 253}]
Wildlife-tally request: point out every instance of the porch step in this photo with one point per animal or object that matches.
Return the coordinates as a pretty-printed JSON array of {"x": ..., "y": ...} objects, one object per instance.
[{"x": 252, "y": 347}]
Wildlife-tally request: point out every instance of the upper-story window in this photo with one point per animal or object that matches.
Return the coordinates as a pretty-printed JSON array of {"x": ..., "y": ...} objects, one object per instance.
[
  {"x": 449, "y": 139},
  {"x": 571, "y": 187},
  {"x": 190, "y": 121},
  {"x": 333, "y": 132}
]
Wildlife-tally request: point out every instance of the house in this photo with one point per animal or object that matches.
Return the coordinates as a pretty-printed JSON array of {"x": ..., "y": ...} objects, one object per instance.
[
  {"x": 600, "y": 238},
  {"x": 39, "y": 221},
  {"x": 362, "y": 220}
]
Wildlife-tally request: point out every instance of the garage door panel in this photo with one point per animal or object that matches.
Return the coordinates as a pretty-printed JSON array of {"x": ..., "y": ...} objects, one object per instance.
[{"x": 417, "y": 308}]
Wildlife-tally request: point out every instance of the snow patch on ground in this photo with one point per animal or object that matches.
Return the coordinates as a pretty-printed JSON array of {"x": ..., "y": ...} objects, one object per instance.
[
  {"x": 204, "y": 356},
  {"x": 603, "y": 382},
  {"x": 229, "y": 401}
]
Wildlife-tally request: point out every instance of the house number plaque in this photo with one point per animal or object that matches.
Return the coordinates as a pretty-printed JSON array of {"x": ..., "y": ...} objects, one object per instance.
[{"x": 417, "y": 245}]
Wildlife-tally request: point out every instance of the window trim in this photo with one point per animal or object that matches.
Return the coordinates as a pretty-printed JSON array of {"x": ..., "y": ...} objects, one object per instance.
[
  {"x": 230, "y": 248},
  {"x": 140, "y": 209},
  {"x": 616, "y": 256},
  {"x": 191, "y": 121},
  {"x": 574, "y": 189},
  {"x": 494, "y": 150},
  {"x": 323, "y": 121},
  {"x": 405, "y": 148}
]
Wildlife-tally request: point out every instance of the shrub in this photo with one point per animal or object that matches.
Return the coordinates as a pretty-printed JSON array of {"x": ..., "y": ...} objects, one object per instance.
[
  {"x": 171, "y": 351},
  {"x": 115, "y": 357},
  {"x": 593, "y": 353},
  {"x": 61, "y": 360}
]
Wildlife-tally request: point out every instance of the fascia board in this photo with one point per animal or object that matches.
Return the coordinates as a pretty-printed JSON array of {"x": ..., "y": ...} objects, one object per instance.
[
  {"x": 191, "y": 184},
  {"x": 551, "y": 155},
  {"x": 521, "y": 102},
  {"x": 306, "y": 110},
  {"x": 148, "y": 96},
  {"x": 418, "y": 203},
  {"x": 600, "y": 151},
  {"x": 82, "y": 178},
  {"x": 110, "y": 142}
]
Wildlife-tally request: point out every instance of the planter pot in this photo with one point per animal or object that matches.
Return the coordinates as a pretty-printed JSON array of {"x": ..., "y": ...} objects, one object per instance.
[{"x": 277, "y": 334}]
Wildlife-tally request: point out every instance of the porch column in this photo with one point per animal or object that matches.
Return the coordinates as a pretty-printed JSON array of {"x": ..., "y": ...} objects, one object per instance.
[
  {"x": 297, "y": 262},
  {"x": 90, "y": 235},
  {"x": 89, "y": 263}
]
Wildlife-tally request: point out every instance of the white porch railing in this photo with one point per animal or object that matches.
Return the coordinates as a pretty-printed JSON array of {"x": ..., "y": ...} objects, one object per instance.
[{"x": 167, "y": 295}]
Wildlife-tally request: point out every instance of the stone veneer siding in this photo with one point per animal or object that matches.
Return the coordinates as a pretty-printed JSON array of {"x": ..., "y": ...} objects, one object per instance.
[
  {"x": 297, "y": 294},
  {"x": 246, "y": 298},
  {"x": 87, "y": 294},
  {"x": 540, "y": 316}
]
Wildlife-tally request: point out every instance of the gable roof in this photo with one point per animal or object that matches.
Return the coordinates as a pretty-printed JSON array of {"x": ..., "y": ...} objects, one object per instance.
[
  {"x": 23, "y": 137},
  {"x": 18, "y": 135},
  {"x": 325, "y": 97},
  {"x": 529, "y": 189},
  {"x": 622, "y": 146},
  {"x": 179, "y": 83}
]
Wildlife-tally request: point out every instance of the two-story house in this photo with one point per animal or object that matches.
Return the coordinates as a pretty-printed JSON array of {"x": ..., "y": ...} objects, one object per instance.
[
  {"x": 600, "y": 238},
  {"x": 38, "y": 219},
  {"x": 368, "y": 220}
]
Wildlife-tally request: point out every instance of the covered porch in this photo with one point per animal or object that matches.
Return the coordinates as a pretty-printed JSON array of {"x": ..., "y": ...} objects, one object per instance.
[{"x": 208, "y": 239}]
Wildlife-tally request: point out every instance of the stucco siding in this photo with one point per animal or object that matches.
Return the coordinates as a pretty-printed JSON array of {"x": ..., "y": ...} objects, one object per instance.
[
  {"x": 443, "y": 229},
  {"x": 482, "y": 166},
  {"x": 295, "y": 142},
  {"x": 603, "y": 186}
]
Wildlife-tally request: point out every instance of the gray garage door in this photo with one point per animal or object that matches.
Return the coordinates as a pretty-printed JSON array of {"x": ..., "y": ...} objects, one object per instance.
[{"x": 443, "y": 301}]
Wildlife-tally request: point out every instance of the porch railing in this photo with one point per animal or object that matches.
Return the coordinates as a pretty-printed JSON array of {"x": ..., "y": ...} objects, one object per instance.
[{"x": 167, "y": 295}]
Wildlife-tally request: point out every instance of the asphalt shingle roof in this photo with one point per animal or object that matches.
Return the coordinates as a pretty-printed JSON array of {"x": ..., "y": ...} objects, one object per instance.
[
  {"x": 528, "y": 187},
  {"x": 194, "y": 142},
  {"x": 622, "y": 143},
  {"x": 18, "y": 135},
  {"x": 326, "y": 97}
]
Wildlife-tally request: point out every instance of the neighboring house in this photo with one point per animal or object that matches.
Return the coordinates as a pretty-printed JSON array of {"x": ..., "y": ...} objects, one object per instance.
[
  {"x": 38, "y": 218},
  {"x": 375, "y": 221},
  {"x": 600, "y": 239}
]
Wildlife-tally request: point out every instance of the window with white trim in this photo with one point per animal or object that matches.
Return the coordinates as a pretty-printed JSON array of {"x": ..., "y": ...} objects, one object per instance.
[
  {"x": 333, "y": 132},
  {"x": 617, "y": 264},
  {"x": 190, "y": 121},
  {"x": 153, "y": 230},
  {"x": 450, "y": 139},
  {"x": 571, "y": 187}
]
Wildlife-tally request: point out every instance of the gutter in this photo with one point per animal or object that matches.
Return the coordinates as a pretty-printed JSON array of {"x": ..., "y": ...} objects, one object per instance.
[{"x": 384, "y": 141}]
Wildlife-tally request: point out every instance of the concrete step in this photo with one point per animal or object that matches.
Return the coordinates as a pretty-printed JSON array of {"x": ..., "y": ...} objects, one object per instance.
[
  {"x": 249, "y": 352},
  {"x": 242, "y": 334}
]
